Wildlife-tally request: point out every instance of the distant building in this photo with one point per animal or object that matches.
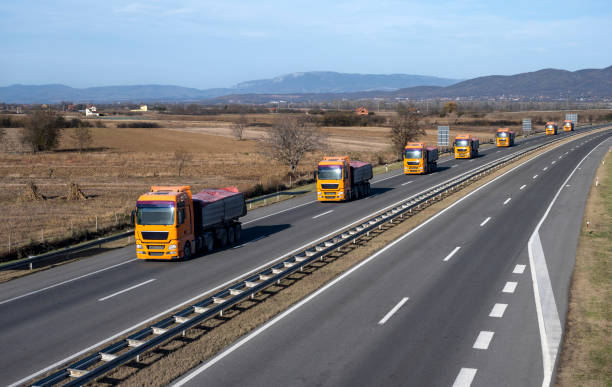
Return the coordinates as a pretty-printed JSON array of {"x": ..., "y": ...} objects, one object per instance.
[
  {"x": 361, "y": 111},
  {"x": 91, "y": 111},
  {"x": 142, "y": 108}
]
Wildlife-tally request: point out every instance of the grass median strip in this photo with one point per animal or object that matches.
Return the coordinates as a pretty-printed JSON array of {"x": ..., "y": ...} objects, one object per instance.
[{"x": 587, "y": 348}]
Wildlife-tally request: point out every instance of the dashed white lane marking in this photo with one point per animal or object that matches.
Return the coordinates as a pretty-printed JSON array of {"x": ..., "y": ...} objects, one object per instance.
[
  {"x": 483, "y": 340},
  {"x": 249, "y": 242},
  {"x": 465, "y": 377},
  {"x": 523, "y": 186},
  {"x": 485, "y": 221},
  {"x": 554, "y": 161},
  {"x": 454, "y": 165},
  {"x": 545, "y": 168},
  {"x": 393, "y": 311},
  {"x": 126, "y": 290},
  {"x": 279, "y": 212},
  {"x": 497, "y": 151},
  {"x": 324, "y": 213},
  {"x": 507, "y": 201},
  {"x": 449, "y": 256},
  {"x": 510, "y": 287},
  {"x": 535, "y": 176},
  {"x": 560, "y": 156},
  {"x": 518, "y": 269},
  {"x": 406, "y": 183},
  {"x": 498, "y": 310}
]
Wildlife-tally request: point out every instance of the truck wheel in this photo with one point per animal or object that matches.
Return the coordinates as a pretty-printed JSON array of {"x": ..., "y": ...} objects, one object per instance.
[
  {"x": 231, "y": 237},
  {"x": 237, "y": 232},
  {"x": 187, "y": 251},
  {"x": 222, "y": 237},
  {"x": 199, "y": 244},
  {"x": 209, "y": 242},
  {"x": 368, "y": 190}
]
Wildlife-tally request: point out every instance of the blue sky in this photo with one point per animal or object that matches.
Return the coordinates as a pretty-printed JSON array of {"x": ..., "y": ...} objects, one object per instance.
[{"x": 207, "y": 44}]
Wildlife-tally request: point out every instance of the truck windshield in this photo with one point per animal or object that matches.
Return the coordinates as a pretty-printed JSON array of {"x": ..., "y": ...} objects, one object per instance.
[
  {"x": 330, "y": 172},
  {"x": 550, "y": 127},
  {"x": 412, "y": 154},
  {"x": 502, "y": 134},
  {"x": 155, "y": 214},
  {"x": 461, "y": 142}
]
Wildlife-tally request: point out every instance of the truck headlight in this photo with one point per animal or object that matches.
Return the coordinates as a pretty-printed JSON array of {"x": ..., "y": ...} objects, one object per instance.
[
  {"x": 171, "y": 247},
  {"x": 139, "y": 246},
  {"x": 319, "y": 193}
]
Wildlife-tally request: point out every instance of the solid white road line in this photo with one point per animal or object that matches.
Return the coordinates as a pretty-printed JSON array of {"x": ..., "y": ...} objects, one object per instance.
[
  {"x": 518, "y": 269},
  {"x": 485, "y": 221},
  {"x": 449, "y": 256},
  {"x": 498, "y": 310},
  {"x": 406, "y": 183},
  {"x": 465, "y": 377},
  {"x": 510, "y": 287},
  {"x": 483, "y": 340},
  {"x": 549, "y": 323},
  {"x": 523, "y": 186},
  {"x": 535, "y": 176},
  {"x": 325, "y": 213},
  {"x": 126, "y": 290},
  {"x": 272, "y": 322},
  {"x": 507, "y": 201},
  {"x": 67, "y": 281},
  {"x": 393, "y": 311}
]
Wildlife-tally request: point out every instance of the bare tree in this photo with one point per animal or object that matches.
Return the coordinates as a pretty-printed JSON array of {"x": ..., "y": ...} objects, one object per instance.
[
  {"x": 290, "y": 139},
  {"x": 406, "y": 127},
  {"x": 82, "y": 136},
  {"x": 42, "y": 130},
  {"x": 182, "y": 156},
  {"x": 239, "y": 126}
]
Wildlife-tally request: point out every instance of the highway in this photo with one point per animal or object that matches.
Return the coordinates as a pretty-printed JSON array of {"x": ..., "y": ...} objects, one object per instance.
[
  {"x": 451, "y": 303},
  {"x": 55, "y": 314}
]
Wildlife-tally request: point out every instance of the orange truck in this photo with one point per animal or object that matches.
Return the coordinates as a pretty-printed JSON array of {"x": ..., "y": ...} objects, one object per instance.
[
  {"x": 466, "y": 146},
  {"x": 340, "y": 179},
  {"x": 551, "y": 128},
  {"x": 504, "y": 137},
  {"x": 171, "y": 223},
  {"x": 568, "y": 126},
  {"x": 419, "y": 158}
]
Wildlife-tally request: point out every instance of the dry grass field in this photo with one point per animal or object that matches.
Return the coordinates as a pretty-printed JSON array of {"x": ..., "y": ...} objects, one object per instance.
[{"x": 125, "y": 162}]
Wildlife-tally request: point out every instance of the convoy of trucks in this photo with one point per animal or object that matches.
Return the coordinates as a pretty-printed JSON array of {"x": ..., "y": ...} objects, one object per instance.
[
  {"x": 340, "y": 179},
  {"x": 420, "y": 158},
  {"x": 568, "y": 126},
  {"x": 171, "y": 223},
  {"x": 504, "y": 137},
  {"x": 551, "y": 128},
  {"x": 466, "y": 146}
]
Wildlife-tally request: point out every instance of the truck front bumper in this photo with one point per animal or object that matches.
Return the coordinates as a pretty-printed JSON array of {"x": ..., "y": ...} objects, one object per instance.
[{"x": 156, "y": 250}]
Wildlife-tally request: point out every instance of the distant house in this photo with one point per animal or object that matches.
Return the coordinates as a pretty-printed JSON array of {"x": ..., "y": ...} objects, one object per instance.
[
  {"x": 361, "y": 111},
  {"x": 91, "y": 111},
  {"x": 142, "y": 108}
]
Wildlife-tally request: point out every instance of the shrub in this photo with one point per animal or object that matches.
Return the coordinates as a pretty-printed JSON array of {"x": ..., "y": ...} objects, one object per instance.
[{"x": 147, "y": 125}]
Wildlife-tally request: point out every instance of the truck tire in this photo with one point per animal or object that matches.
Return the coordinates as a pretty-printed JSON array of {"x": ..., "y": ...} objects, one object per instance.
[
  {"x": 187, "y": 251},
  {"x": 222, "y": 237},
  {"x": 369, "y": 189},
  {"x": 209, "y": 242},
  {"x": 237, "y": 231},
  {"x": 231, "y": 236},
  {"x": 199, "y": 244}
]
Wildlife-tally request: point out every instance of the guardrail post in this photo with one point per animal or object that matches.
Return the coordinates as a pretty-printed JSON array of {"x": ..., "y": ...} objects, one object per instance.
[
  {"x": 31, "y": 266},
  {"x": 96, "y": 223},
  {"x": 250, "y": 206}
]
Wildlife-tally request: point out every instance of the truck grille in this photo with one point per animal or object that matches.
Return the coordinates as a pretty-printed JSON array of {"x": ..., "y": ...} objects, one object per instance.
[
  {"x": 156, "y": 253},
  {"x": 329, "y": 186},
  {"x": 155, "y": 247},
  {"x": 155, "y": 235},
  {"x": 412, "y": 162}
]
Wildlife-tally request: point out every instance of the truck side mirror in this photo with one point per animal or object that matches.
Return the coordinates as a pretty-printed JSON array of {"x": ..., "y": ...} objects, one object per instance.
[{"x": 133, "y": 217}]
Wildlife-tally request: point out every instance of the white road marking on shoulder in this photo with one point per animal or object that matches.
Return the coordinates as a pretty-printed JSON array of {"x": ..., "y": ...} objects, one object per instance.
[
  {"x": 393, "y": 311},
  {"x": 126, "y": 290}
]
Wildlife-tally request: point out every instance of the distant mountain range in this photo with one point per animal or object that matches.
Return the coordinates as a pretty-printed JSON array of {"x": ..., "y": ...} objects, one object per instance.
[
  {"x": 308, "y": 82},
  {"x": 321, "y": 86}
]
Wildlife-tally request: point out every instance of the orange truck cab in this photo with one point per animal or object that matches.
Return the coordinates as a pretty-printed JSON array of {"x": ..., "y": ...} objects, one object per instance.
[
  {"x": 466, "y": 146},
  {"x": 551, "y": 128},
  {"x": 340, "y": 179},
  {"x": 419, "y": 158},
  {"x": 568, "y": 126},
  {"x": 504, "y": 137},
  {"x": 171, "y": 223}
]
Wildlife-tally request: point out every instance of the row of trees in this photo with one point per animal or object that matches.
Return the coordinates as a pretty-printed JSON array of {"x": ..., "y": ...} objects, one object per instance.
[{"x": 42, "y": 131}]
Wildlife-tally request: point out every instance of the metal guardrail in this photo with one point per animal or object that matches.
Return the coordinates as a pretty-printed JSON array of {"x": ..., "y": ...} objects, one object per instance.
[
  {"x": 122, "y": 351},
  {"x": 30, "y": 261}
]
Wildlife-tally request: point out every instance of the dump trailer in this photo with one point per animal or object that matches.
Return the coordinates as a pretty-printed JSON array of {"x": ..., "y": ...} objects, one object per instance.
[
  {"x": 420, "y": 158},
  {"x": 171, "y": 223},
  {"x": 504, "y": 137},
  {"x": 568, "y": 126},
  {"x": 466, "y": 146},
  {"x": 340, "y": 179},
  {"x": 551, "y": 128}
]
